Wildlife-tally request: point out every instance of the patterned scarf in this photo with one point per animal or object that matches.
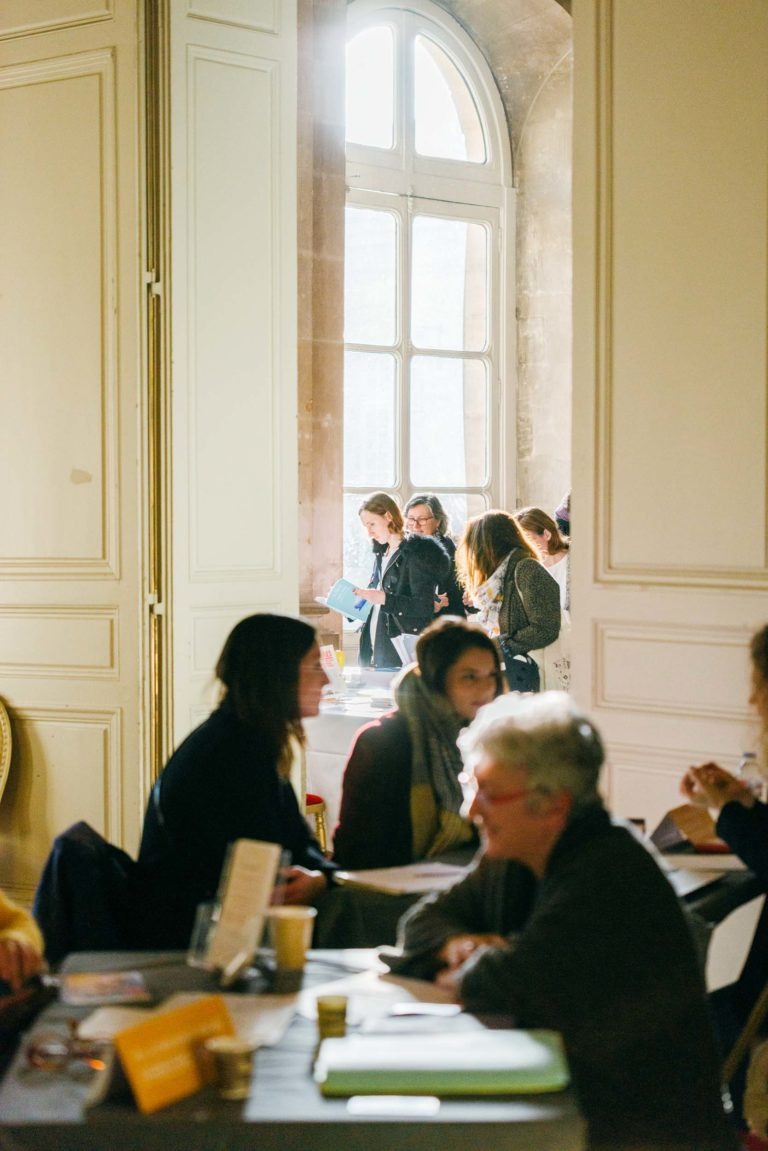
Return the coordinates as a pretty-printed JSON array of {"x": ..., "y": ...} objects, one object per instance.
[
  {"x": 436, "y": 796},
  {"x": 487, "y": 599}
]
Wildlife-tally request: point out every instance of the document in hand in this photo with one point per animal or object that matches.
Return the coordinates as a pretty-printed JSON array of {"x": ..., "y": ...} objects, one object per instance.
[
  {"x": 484, "y": 1062},
  {"x": 342, "y": 598},
  {"x": 410, "y": 879}
]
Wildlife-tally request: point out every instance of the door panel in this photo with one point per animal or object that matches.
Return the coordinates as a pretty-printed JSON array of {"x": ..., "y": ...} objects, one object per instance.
[
  {"x": 70, "y": 596},
  {"x": 670, "y": 557}
]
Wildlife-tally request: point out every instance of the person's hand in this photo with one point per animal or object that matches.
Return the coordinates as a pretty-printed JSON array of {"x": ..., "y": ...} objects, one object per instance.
[
  {"x": 19, "y": 961},
  {"x": 457, "y": 950},
  {"x": 298, "y": 885},
  {"x": 713, "y": 786},
  {"x": 372, "y": 594},
  {"x": 441, "y": 602}
]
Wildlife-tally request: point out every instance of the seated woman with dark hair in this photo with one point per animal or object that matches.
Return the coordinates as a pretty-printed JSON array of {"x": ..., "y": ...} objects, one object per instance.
[
  {"x": 401, "y": 797},
  {"x": 229, "y": 780}
]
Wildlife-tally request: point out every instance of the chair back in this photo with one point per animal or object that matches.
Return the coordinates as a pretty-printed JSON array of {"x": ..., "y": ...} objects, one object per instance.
[{"x": 6, "y": 747}]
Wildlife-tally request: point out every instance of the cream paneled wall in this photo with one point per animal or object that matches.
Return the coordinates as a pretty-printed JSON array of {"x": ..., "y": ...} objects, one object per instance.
[
  {"x": 71, "y": 611},
  {"x": 148, "y": 453},
  {"x": 234, "y": 518},
  {"x": 670, "y": 555}
]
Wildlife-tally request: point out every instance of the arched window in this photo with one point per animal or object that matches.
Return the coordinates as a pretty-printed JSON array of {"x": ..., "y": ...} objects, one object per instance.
[{"x": 426, "y": 270}]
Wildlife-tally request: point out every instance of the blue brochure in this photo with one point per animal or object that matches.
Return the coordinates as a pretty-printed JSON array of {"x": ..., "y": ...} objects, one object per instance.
[{"x": 342, "y": 598}]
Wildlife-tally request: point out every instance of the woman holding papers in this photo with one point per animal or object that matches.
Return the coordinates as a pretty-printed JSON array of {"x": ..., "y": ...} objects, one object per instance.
[
  {"x": 403, "y": 585},
  {"x": 401, "y": 797},
  {"x": 742, "y": 821},
  {"x": 229, "y": 780}
]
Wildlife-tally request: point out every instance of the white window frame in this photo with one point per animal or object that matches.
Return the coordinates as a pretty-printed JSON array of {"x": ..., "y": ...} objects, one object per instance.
[{"x": 400, "y": 181}]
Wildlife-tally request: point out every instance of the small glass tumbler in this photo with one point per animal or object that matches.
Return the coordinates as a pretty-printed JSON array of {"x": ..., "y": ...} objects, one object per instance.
[{"x": 206, "y": 918}]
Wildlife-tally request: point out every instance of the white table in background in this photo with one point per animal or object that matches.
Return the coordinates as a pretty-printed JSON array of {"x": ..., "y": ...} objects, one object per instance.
[{"x": 331, "y": 733}]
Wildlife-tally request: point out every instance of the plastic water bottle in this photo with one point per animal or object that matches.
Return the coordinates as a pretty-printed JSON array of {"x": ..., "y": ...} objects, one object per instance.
[{"x": 749, "y": 772}]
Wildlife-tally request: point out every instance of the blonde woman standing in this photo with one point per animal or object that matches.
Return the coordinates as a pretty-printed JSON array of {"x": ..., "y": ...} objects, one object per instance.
[{"x": 403, "y": 587}]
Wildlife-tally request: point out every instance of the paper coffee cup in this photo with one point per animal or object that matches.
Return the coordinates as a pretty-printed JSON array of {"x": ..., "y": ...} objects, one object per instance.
[{"x": 291, "y": 934}]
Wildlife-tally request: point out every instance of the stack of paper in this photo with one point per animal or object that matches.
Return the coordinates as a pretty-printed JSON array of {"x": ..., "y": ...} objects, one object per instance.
[{"x": 463, "y": 1063}]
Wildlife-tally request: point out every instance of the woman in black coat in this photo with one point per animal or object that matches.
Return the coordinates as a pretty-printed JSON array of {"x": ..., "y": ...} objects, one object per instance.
[
  {"x": 425, "y": 515},
  {"x": 403, "y": 589}
]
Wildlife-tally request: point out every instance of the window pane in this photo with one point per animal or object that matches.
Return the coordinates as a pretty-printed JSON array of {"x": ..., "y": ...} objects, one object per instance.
[
  {"x": 449, "y": 421},
  {"x": 370, "y": 88},
  {"x": 370, "y": 270},
  {"x": 447, "y": 122},
  {"x": 449, "y": 290},
  {"x": 460, "y": 507},
  {"x": 369, "y": 419}
]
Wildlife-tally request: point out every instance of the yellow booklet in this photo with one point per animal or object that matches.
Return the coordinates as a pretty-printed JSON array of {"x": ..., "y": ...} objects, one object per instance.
[{"x": 162, "y": 1057}]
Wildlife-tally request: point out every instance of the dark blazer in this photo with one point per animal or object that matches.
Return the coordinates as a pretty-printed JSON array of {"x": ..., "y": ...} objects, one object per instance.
[
  {"x": 450, "y": 584},
  {"x": 410, "y": 583},
  {"x": 745, "y": 830},
  {"x": 599, "y": 950},
  {"x": 220, "y": 785}
]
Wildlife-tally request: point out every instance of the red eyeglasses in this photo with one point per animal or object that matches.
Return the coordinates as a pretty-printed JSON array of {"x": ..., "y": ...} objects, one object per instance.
[{"x": 475, "y": 794}]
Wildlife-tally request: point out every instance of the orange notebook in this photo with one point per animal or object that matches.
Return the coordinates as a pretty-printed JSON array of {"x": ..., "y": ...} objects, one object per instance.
[{"x": 162, "y": 1057}]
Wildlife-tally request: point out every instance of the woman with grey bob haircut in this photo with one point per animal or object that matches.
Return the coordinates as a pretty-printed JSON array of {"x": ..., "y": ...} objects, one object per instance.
[{"x": 546, "y": 735}]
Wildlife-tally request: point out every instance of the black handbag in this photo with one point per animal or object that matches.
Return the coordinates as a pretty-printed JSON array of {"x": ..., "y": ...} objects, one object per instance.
[{"x": 522, "y": 671}]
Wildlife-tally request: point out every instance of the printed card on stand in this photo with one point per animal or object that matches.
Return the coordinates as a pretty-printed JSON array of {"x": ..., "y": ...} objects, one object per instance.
[{"x": 244, "y": 893}]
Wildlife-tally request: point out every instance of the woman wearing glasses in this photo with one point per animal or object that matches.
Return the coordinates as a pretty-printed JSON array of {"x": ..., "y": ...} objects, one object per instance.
[
  {"x": 425, "y": 515},
  {"x": 403, "y": 588}
]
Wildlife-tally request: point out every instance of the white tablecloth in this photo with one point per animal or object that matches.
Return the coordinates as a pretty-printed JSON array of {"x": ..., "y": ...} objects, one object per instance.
[{"x": 330, "y": 736}]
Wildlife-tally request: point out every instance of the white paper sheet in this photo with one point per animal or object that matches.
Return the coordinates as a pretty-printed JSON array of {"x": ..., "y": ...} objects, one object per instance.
[{"x": 262, "y": 1019}]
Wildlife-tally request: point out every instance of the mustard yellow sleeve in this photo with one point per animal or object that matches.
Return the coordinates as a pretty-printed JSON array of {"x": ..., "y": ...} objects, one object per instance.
[{"x": 16, "y": 923}]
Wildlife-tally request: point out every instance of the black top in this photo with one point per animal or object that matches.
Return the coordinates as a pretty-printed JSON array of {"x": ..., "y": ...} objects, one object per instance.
[
  {"x": 410, "y": 582},
  {"x": 600, "y": 951},
  {"x": 220, "y": 785}
]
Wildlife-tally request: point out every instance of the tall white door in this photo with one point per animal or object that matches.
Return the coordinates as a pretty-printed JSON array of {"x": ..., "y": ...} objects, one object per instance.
[
  {"x": 71, "y": 606},
  {"x": 233, "y": 503},
  {"x": 670, "y": 567}
]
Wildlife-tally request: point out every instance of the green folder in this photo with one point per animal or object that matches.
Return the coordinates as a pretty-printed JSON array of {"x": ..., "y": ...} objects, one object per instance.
[{"x": 483, "y": 1062}]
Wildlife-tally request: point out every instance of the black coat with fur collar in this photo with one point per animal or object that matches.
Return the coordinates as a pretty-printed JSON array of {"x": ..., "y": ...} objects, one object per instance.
[{"x": 410, "y": 582}]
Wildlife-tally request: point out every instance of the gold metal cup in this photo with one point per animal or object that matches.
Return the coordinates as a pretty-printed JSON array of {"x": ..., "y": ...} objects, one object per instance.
[
  {"x": 232, "y": 1060},
  {"x": 331, "y": 1016}
]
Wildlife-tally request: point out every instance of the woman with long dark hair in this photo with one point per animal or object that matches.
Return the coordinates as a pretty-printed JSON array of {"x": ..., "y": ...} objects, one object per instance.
[
  {"x": 401, "y": 798},
  {"x": 229, "y": 780}
]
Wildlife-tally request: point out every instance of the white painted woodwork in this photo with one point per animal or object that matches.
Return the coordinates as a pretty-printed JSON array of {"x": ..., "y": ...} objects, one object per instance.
[
  {"x": 233, "y": 504},
  {"x": 670, "y": 564},
  {"x": 71, "y": 393}
]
